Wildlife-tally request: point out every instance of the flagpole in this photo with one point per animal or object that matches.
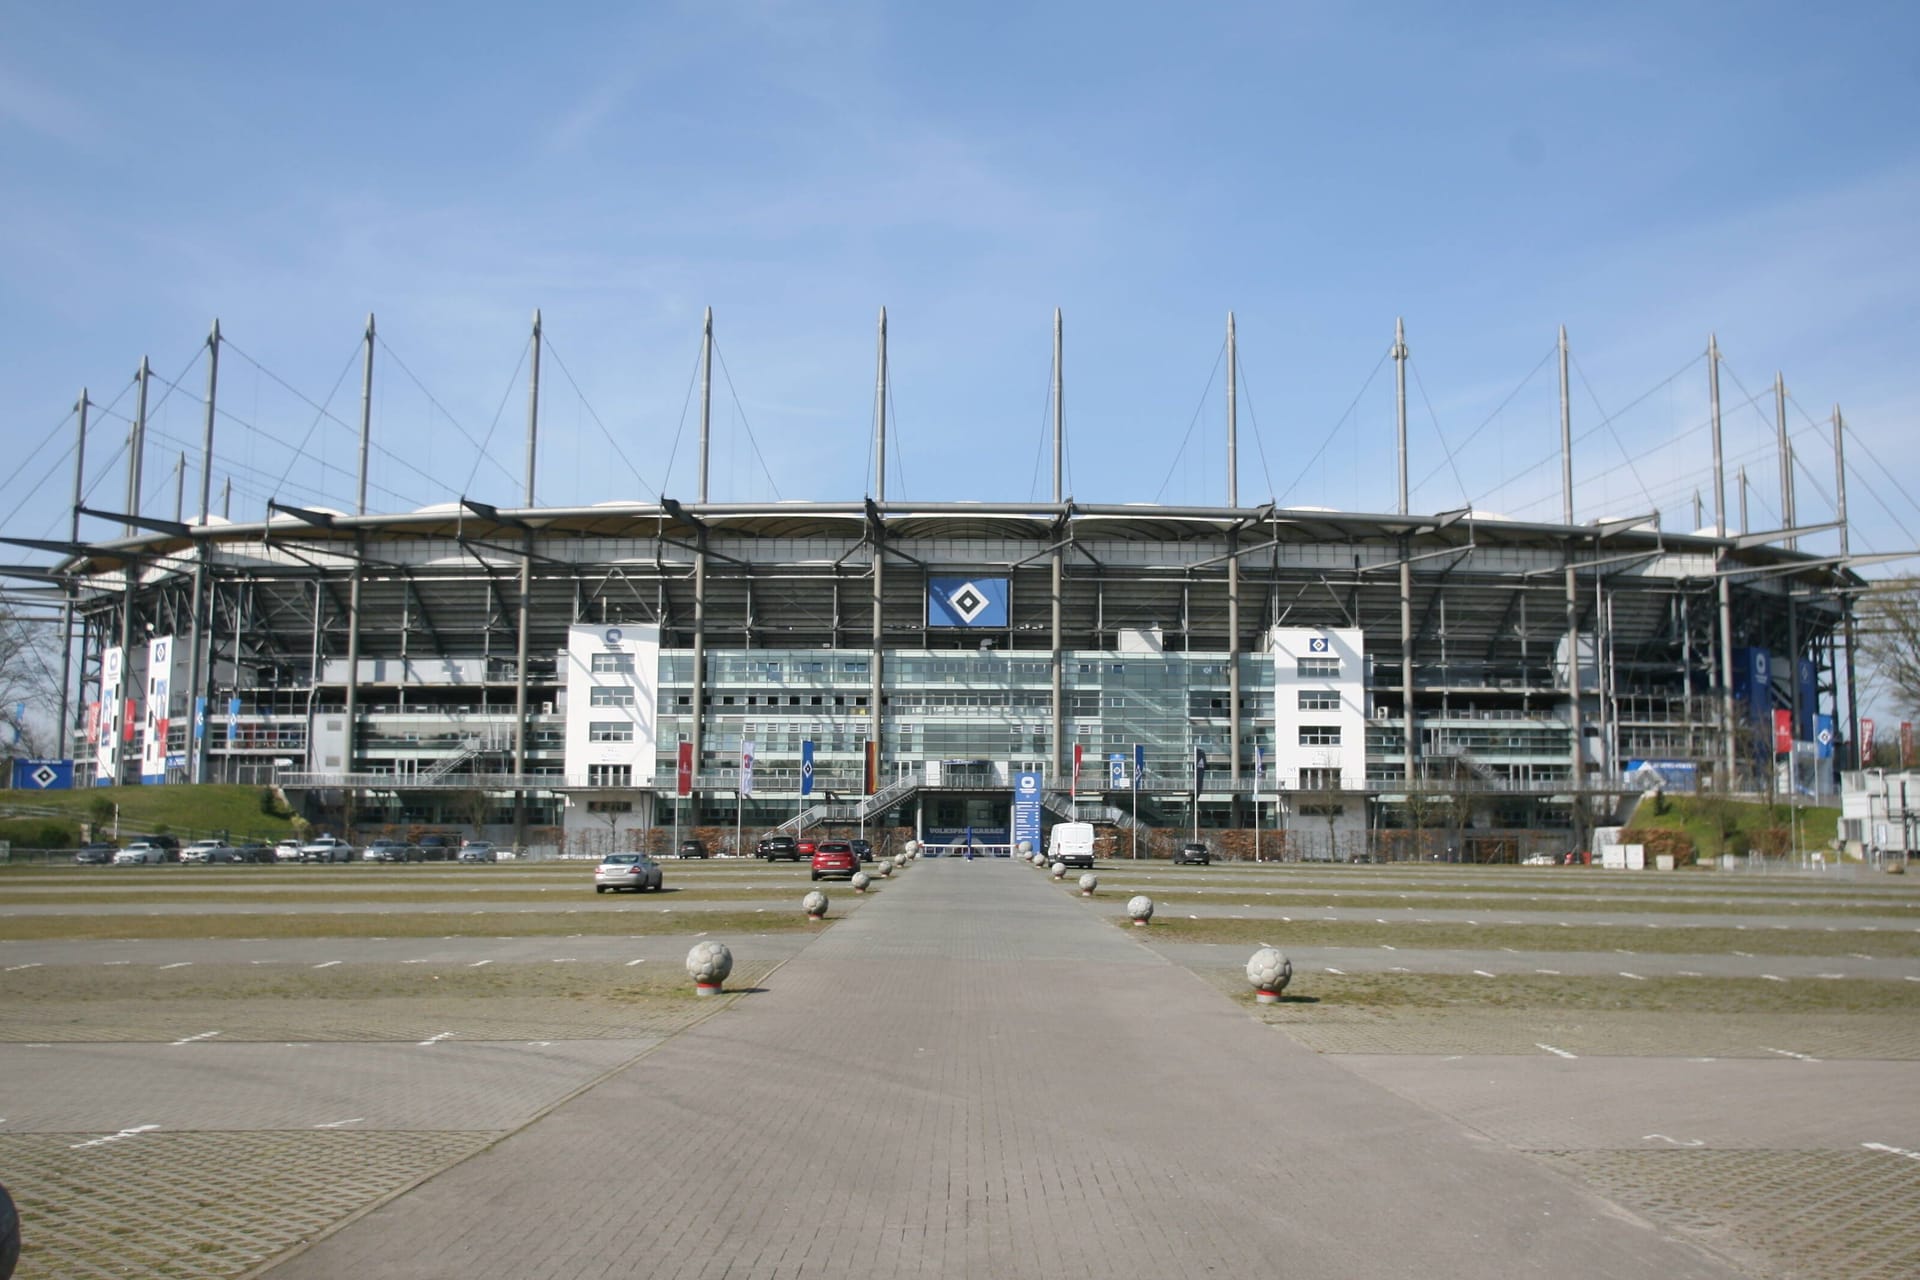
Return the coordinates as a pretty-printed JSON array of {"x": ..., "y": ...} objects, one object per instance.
[{"x": 1259, "y": 768}]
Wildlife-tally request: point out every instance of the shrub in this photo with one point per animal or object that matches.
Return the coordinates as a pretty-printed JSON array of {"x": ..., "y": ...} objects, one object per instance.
[{"x": 1662, "y": 840}]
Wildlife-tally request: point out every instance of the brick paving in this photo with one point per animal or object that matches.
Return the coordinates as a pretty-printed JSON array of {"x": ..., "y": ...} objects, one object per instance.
[{"x": 980, "y": 1076}]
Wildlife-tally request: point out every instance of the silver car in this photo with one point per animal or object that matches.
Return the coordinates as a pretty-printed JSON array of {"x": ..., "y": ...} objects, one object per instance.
[{"x": 634, "y": 871}]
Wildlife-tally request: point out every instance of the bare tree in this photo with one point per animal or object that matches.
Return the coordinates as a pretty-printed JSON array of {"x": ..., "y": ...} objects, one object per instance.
[
  {"x": 1890, "y": 639},
  {"x": 27, "y": 680}
]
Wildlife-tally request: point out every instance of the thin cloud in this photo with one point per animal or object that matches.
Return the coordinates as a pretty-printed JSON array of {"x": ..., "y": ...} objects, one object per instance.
[{"x": 35, "y": 107}]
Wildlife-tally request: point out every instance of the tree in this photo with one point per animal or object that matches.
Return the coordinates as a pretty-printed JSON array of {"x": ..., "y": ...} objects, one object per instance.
[
  {"x": 1889, "y": 630},
  {"x": 29, "y": 680}
]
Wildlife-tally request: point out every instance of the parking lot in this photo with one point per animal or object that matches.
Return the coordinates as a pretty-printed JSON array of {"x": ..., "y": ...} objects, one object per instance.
[{"x": 204, "y": 1070}]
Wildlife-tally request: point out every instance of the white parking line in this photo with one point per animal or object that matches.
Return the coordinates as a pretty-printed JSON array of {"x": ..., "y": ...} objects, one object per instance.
[
  {"x": 477, "y": 963},
  {"x": 1341, "y": 972},
  {"x": 114, "y": 962},
  {"x": 1892, "y": 1151},
  {"x": 204, "y": 1035},
  {"x": 114, "y": 1137},
  {"x": 641, "y": 960},
  {"x": 178, "y": 964},
  {"x": 1690, "y": 1142},
  {"x": 1551, "y": 973},
  {"x": 1773, "y": 977},
  {"x": 563, "y": 959},
  {"x": 336, "y": 1124},
  {"x": 1558, "y": 1053},
  {"x": 15, "y": 967},
  {"x": 435, "y": 1039},
  {"x": 1788, "y": 1053},
  {"x": 326, "y": 964},
  {"x": 1385, "y": 947},
  {"x": 1636, "y": 977}
]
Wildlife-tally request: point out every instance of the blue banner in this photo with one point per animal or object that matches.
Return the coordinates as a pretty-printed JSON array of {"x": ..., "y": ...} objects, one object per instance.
[
  {"x": 1116, "y": 772},
  {"x": 806, "y": 767},
  {"x": 1805, "y": 676},
  {"x": 233, "y": 719},
  {"x": 967, "y": 602},
  {"x": 1026, "y": 808},
  {"x": 199, "y": 719},
  {"x": 1139, "y": 763},
  {"x": 1823, "y": 737},
  {"x": 1671, "y": 775},
  {"x": 1199, "y": 770},
  {"x": 43, "y": 775}
]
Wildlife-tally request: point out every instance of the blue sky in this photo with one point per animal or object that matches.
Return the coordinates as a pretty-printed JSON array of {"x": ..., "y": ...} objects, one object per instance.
[{"x": 1643, "y": 174}]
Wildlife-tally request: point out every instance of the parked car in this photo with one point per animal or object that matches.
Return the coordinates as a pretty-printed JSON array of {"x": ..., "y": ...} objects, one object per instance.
[
  {"x": 391, "y": 851},
  {"x": 693, "y": 848},
  {"x": 205, "y": 851},
  {"x": 254, "y": 852},
  {"x": 287, "y": 850},
  {"x": 168, "y": 845},
  {"x": 862, "y": 850},
  {"x": 1191, "y": 854},
  {"x": 834, "y": 858},
  {"x": 434, "y": 848},
  {"x": 326, "y": 849},
  {"x": 139, "y": 853},
  {"x": 1540, "y": 860},
  {"x": 1071, "y": 844},
  {"x": 634, "y": 871},
  {"x": 775, "y": 847},
  {"x": 95, "y": 855},
  {"x": 479, "y": 851}
]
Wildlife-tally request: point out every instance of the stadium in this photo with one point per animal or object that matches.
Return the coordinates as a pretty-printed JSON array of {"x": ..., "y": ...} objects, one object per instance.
[{"x": 1296, "y": 681}]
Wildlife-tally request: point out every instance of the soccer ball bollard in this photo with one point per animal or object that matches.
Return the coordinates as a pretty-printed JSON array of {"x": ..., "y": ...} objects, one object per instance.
[
  {"x": 884, "y": 867},
  {"x": 815, "y": 904},
  {"x": 1269, "y": 971},
  {"x": 1059, "y": 870},
  {"x": 1088, "y": 883},
  {"x": 708, "y": 964},
  {"x": 1140, "y": 910},
  {"x": 860, "y": 881}
]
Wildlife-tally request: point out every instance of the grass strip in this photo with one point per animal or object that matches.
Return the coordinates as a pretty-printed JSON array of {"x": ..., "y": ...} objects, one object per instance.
[
  {"x": 1678, "y": 940},
  {"x": 1236, "y": 896},
  {"x": 645, "y": 921},
  {"x": 1596, "y": 994}
]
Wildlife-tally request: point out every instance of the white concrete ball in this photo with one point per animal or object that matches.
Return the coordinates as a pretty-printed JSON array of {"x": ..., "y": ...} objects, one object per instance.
[
  {"x": 860, "y": 881},
  {"x": 815, "y": 903},
  {"x": 709, "y": 962},
  {"x": 1140, "y": 907},
  {"x": 1089, "y": 882},
  {"x": 1269, "y": 970}
]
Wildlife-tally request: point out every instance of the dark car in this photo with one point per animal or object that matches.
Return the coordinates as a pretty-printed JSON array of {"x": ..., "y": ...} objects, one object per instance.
[
  {"x": 773, "y": 847},
  {"x": 254, "y": 852},
  {"x": 693, "y": 848},
  {"x": 862, "y": 850},
  {"x": 391, "y": 851},
  {"x": 834, "y": 858},
  {"x": 434, "y": 849},
  {"x": 1193, "y": 855},
  {"x": 95, "y": 855}
]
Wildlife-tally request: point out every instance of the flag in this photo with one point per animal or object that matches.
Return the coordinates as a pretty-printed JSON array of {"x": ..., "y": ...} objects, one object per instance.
[
  {"x": 1077, "y": 748},
  {"x": 1782, "y": 731},
  {"x": 683, "y": 773},
  {"x": 1906, "y": 744},
  {"x": 806, "y": 767},
  {"x": 872, "y": 754},
  {"x": 1866, "y": 743},
  {"x": 1199, "y": 770},
  {"x": 1259, "y": 769},
  {"x": 1823, "y": 737},
  {"x": 746, "y": 768},
  {"x": 1139, "y": 763}
]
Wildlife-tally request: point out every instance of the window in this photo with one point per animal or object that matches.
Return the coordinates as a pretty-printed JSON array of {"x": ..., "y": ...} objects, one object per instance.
[
  {"x": 1319, "y": 779},
  {"x": 1319, "y": 735},
  {"x": 608, "y": 775},
  {"x": 609, "y": 731},
  {"x": 609, "y": 806},
  {"x": 1318, "y": 668},
  {"x": 1319, "y": 700},
  {"x": 613, "y": 664},
  {"x": 612, "y": 696}
]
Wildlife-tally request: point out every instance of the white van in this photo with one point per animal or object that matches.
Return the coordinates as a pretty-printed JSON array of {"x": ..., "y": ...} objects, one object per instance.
[{"x": 1071, "y": 844}]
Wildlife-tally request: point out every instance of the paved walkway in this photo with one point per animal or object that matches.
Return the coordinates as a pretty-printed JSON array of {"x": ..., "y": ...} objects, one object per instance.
[{"x": 979, "y": 1076}]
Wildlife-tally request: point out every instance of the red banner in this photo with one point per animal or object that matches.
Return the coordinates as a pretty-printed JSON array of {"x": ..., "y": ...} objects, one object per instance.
[
  {"x": 128, "y": 722},
  {"x": 1782, "y": 731},
  {"x": 683, "y": 774},
  {"x": 873, "y": 766},
  {"x": 93, "y": 722},
  {"x": 1906, "y": 744},
  {"x": 1866, "y": 743},
  {"x": 1078, "y": 749}
]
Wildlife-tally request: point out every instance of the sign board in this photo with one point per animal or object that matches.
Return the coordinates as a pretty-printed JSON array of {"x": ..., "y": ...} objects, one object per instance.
[
  {"x": 113, "y": 672},
  {"x": 967, "y": 602},
  {"x": 806, "y": 767},
  {"x": 1116, "y": 772},
  {"x": 1026, "y": 808},
  {"x": 43, "y": 775},
  {"x": 158, "y": 718}
]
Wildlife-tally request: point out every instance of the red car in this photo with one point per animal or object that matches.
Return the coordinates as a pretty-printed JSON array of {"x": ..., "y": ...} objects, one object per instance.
[{"x": 834, "y": 858}]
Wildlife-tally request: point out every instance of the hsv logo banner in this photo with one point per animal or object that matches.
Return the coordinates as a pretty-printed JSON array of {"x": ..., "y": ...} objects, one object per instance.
[
  {"x": 153, "y": 728},
  {"x": 967, "y": 602},
  {"x": 806, "y": 766}
]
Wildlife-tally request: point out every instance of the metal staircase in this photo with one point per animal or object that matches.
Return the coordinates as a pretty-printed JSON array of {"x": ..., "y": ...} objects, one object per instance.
[
  {"x": 1062, "y": 805},
  {"x": 470, "y": 749},
  {"x": 863, "y": 810}
]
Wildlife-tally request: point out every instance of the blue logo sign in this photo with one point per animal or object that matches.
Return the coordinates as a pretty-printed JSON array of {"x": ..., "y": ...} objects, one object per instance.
[
  {"x": 199, "y": 719},
  {"x": 1823, "y": 737},
  {"x": 967, "y": 602},
  {"x": 613, "y": 635},
  {"x": 1026, "y": 808},
  {"x": 43, "y": 775},
  {"x": 1317, "y": 644},
  {"x": 233, "y": 719},
  {"x": 1116, "y": 773},
  {"x": 806, "y": 767},
  {"x": 1139, "y": 763}
]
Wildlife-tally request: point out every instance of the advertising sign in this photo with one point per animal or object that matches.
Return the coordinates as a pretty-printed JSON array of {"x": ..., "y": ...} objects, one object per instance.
[
  {"x": 106, "y": 760},
  {"x": 155, "y": 723},
  {"x": 1867, "y": 743},
  {"x": 1116, "y": 772},
  {"x": 1026, "y": 808},
  {"x": 967, "y": 602},
  {"x": 1671, "y": 775},
  {"x": 43, "y": 775},
  {"x": 1782, "y": 731},
  {"x": 683, "y": 770}
]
